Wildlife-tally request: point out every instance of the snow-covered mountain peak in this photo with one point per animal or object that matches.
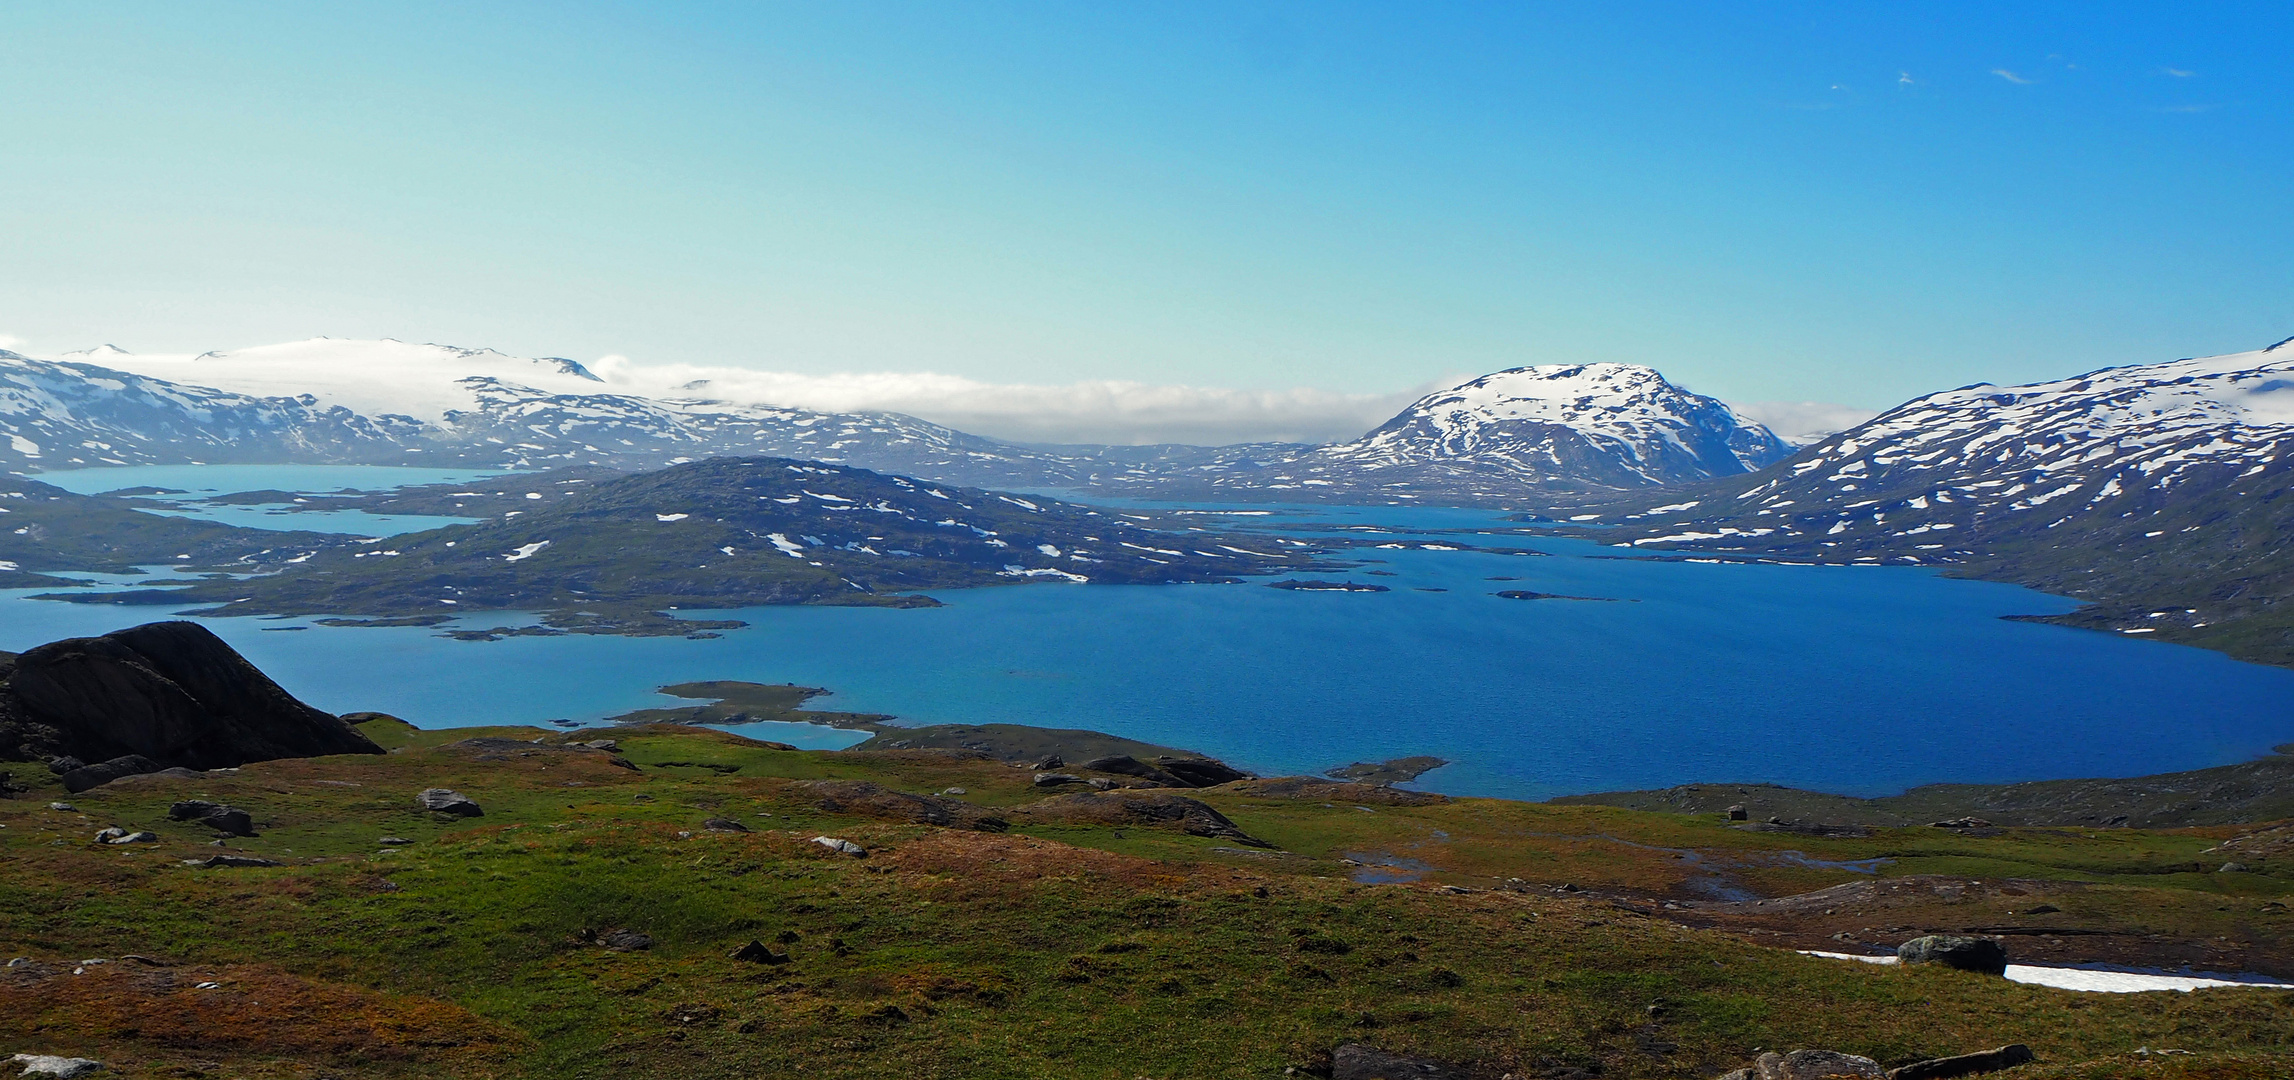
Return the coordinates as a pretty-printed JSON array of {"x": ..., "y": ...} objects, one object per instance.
[
  {"x": 2247, "y": 389},
  {"x": 372, "y": 378},
  {"x": 1622, "y": 425}
]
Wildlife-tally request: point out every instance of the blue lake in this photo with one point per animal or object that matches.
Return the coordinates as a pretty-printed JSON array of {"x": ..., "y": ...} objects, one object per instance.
[{"x": 1857, "y": 680}]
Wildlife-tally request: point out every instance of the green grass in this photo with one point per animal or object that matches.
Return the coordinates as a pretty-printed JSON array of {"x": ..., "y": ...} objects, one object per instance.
[{"x": 1066, "y": 951}]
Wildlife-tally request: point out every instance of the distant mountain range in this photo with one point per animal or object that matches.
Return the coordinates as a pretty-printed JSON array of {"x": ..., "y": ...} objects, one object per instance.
[
  {"x": 2159, "y": 492},
  {"x": 1517, "y": 435}
]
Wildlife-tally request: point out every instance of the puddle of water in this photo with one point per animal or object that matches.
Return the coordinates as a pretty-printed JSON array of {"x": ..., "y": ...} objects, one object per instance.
[{"x": 1381, "y": 868}]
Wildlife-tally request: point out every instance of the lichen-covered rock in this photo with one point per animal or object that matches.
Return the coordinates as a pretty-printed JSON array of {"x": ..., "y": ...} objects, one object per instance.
[
  {"x": 48, "y": 1065},
  {"x": 1966, "y": 953},
  {"x": 446, "y": 801},
  {"x": 1816, "y": 1065}
]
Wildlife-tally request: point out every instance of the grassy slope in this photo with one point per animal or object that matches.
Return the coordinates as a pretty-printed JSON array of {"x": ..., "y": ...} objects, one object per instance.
[{"x": 1049, "y": 951}]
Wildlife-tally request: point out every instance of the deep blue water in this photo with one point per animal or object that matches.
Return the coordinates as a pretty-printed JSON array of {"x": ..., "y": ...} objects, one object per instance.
[
  {"x": 1859, "y": 680},
  {"x": 313, "y": 481}
]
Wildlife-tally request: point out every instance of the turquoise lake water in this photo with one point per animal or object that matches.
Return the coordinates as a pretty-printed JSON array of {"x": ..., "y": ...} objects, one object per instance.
[{"x": 1850, "y": 679}]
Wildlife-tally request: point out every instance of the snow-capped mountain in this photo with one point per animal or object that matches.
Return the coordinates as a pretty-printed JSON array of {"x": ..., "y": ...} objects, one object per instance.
[
  {"x": 1618, "y": 425},
  {"x": 2159, "y": 485},
  {"x": 327, "y": 401},
  {"x": 1509, "y": 437},
  {"x": 1551, "y": 430},
  {"x": 61, "y": 415}
]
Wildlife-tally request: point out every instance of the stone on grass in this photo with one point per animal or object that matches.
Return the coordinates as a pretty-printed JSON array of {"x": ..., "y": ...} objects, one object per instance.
[
  {"x": 1355, "y": 1061},
  {"x": 718, "y": 824},
  {"x": 1054, "y": 779},
  {"x": 48, "y": 1065},
  {"x": 1978, "y": 954},
  {"x": 445, "y": 801},
  {"x": 104, "y": 772},
  {"x": 841, "y": 847},
  {"x": 229, "y": 820},
  {"x": 1950, "y": 1068},
  {"x": 63, "y": 807},
  {"x": 757, "y": 952},
  {"x": 1815, "y": 1065},
  {"x": 627, "y": 941},
  {"x": 222, "y": 862}
]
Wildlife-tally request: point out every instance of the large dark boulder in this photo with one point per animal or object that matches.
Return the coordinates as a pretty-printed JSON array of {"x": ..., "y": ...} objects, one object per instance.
[
  {"x": 171, "y": 691},
  {"x": 1967, "y": 953},
  {"x": 104, "y": 772}
]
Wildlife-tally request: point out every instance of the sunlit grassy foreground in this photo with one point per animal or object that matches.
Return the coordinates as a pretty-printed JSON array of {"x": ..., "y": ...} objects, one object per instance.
[{"x": 1048, "y": 950}]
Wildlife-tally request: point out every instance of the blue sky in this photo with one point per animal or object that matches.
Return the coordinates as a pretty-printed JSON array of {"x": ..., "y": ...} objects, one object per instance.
[{"x": 1840, "y": 202}]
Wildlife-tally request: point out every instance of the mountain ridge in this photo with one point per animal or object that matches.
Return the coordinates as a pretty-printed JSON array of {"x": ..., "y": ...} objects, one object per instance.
[
  {"x": 323, "y": 401},
  {"x": 2158, "y": 493}
]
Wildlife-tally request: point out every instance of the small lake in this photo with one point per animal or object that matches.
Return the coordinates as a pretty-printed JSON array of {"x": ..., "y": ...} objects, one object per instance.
[{"x": 1859, "y": 680}]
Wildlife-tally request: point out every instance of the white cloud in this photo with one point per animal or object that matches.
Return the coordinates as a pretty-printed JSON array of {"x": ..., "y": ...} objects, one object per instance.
[
  {"x": 11, "y": 342},
  {"x": 1118, "y": 412},
  {"x": 2011, "y": 76},
  {"x": 1804, "y": 422},
  {"x": 2177, "y": 73}
]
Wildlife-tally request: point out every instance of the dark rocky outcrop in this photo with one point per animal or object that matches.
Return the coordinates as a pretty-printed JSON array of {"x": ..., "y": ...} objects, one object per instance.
[
  {"x": 1966, "y": 953},
  {"x": 1809, "y": 1065},
  {"x": 104, "y": 772},
  {"x": 171, "y": 692},
  {"x": 757, "y": 952},
  {"x": 1126, "y": 765},
  {"x": 1201, "y": 772},
  {"x": 445, "y": 801},
  {"x": 1317, "y": 788},
  {"x": 1355, "y": 1061},
  {"x": 225, "y": 862},
  {"x": 229, "y": 820},
  {"x": 1153, "y": 809},
  {"x": 875, "y": 800},
  {"x": 1950, "y": 1068}
]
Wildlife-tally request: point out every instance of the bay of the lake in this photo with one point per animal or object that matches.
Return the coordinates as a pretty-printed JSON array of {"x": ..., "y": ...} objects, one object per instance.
[{"x": 1860, "y": 680}]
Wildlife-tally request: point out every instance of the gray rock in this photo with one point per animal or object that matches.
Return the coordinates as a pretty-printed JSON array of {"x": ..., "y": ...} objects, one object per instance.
[
  {"x": 2006, "y": 1057},
  {"x": 1979, "y": 954},
  {"x": 1816, "y": 1065},
  {"x": 1355, "y": 1061},
  {"x": 841, "y": 847},
  {"x": 229, "y": 820},
  {"x": 1052, "y": 762},
  {"x": 1126, "y": 765},
  {"x": 393, "y": 841},
  {"x": 104, "y": 772},
  {"x": 225, "y": 862},
  {"x": 105, "y": 836},
  {"x": 445, "y": 801},
  {"x": 64, "y": 1067},
  {"x": 627, "y": 941},
  {"x": 718, "y": 824},
  {"x": 2232, "y": 868},
  {"x": 1201, "y": 772},
  {"x": 64, "y": 764},
  {"x": 63, "y": 807},
  {"x": 1738, "y": 813},
  {"x": 134, "y": 838},
  {"x": 757, "y": 952},
  {"x": 1055, "y": 779}
]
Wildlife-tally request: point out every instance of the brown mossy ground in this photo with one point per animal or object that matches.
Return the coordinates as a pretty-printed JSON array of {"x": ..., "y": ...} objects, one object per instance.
[{"x": 1047, "y": 950}]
